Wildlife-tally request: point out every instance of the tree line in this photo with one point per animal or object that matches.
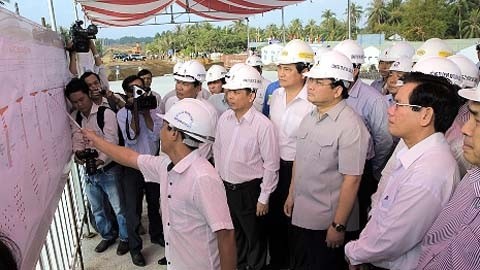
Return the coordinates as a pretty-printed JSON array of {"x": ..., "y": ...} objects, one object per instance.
[{"x": 415, "y": 20}]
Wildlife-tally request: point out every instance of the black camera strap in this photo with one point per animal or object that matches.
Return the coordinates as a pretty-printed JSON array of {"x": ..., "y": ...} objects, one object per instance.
[
  {"x": 137, "y": 122},
  {"x": 101, "y": 122}
]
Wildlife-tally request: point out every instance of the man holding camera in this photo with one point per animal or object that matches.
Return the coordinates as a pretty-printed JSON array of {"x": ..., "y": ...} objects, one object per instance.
[
  {"x": 140, "y": 128},
  {"x": 102, "y": 174},
  {"x": 95, "y": 79}
]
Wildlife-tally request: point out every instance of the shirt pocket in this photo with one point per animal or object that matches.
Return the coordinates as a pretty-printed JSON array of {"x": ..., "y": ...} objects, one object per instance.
[{"x": 178, "y": 214}]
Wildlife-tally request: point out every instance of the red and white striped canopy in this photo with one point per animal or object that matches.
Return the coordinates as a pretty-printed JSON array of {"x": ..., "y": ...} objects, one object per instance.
[{"x": 134, "y": 12}]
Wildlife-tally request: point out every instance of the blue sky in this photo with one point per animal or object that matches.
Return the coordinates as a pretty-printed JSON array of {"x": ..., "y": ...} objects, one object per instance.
[{"x": 64, "y": 12}]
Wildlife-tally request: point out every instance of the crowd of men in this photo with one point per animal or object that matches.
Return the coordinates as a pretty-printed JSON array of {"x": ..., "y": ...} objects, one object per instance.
[{"x": 317, "y": 170}]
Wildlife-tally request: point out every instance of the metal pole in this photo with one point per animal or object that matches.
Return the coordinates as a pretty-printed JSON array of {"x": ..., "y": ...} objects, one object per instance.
[
  {"x": 283, "y": 27},
  {"x": 248, "y": 35},
  {"x": 75, "y": 9},
  {"x": 349, "y": 20},
  {"x": 52, "y": 15}
]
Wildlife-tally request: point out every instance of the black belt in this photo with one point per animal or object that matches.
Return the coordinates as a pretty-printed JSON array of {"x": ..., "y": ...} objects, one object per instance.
[
  {"x": 106, "y": 168},
  {"x": 233, "y": 187}
]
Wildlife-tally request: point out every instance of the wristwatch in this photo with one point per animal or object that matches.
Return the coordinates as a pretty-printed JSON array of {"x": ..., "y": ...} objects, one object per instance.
[{"x": 338, "y": 227}]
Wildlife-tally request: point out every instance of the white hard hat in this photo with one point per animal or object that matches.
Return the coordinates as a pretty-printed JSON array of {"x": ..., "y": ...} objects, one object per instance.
[
  {"x": 215, "y": 72},
  {"x": 440, "y": 67},
  {"x": 319, "y": 52},
  {"x": 433, "y": 47},
  {"x": 254, "y": 61},
  {"x": 401, "y": 48},
  {"x": 403, "y": 64},
  {"x": 470, "y": 93},
  {"x": 192, "y": 117},
  {"x": 352, "y": 50},
  {"x": 176, "y": 67},
  {"x": 244, "y": 77},
  {"x": 233, "y": 69},
  {"x": 191, "y": 71},
  {"x": 385, "y": 55},
  {"x": 296, "y": 51},
  {"x": 333, "y": 65},
  {"x": 469, "y": 70}
]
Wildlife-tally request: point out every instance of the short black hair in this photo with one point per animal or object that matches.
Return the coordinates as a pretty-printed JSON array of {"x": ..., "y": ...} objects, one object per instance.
[
  {"x": 437, "y": 93},
  {"x": 10, "y": 254},
  {"x": 88, "y": 74},
  {"x": 222, "y": 80},
  {"x": 76, "y": 85},
  {"x": 129, "y": 80},
  {"x": 144, "y": 72},
  {"x": 478, "y": 47},
  {"x": 301, "y": 66},
  {"x": 340, "y": 83}
]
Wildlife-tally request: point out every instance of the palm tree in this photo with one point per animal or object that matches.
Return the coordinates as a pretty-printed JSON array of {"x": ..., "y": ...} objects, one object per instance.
[
  {"x": 471, "y": 26},
  {"x": 310, "y": 29},
  {"x": 295, "y": 29},
  {"x": 356, "y": 12},
  {"x": 377, "y": 14},
  {"x": 460, "y": 7},
  {"x": 271, "y": 31}
]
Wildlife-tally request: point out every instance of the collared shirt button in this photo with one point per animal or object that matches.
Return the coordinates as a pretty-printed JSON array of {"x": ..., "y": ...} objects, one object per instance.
[
  {"x": 169, "y": 196},
  {"x": 171, "y": 183}
]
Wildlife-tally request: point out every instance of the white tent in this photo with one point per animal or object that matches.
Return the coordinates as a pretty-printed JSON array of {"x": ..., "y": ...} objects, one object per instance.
[{"x": 270, "y": 53}]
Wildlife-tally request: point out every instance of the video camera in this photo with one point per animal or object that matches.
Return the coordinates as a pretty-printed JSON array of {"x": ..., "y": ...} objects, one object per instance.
[
  {"x": 90, "y": 156},
  {"x": 81, "y": 37},
  {"x": 142, "y": 101}
]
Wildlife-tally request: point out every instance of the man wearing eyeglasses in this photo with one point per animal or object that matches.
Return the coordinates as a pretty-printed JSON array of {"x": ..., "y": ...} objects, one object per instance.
[
  {"x": 417, "y": 181},
  {"x": 452, "y": 241}
]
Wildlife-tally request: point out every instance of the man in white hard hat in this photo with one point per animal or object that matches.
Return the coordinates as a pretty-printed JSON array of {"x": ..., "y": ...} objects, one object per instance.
[
  {"x": 215, "y": 80},
  {"x": 288, "y": 106},
  {"x": 418, "y": 180},
  {"x": 172, "y": 93},
  {"x": 188, "y": 84},
  {"x": 384, "y": 63},
  {"x": 397, "y": 72},
  {"x": 198, "y": 229},
  {"x": 246, "y": 157},
  {"x": 453, "y": 240},
  {"x": 331, "y": 150},
  {"x": 256, "y": 62},
  {"x": 371, "y": 106}
]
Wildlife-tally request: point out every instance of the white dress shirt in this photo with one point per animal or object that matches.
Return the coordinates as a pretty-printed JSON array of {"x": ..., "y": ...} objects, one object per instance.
[
  {"x": 287, "y": 117},
  {"x": 194, "y": 207},
  {"x": 413, "y": 190},
  {"x": 247, "y": 149}
]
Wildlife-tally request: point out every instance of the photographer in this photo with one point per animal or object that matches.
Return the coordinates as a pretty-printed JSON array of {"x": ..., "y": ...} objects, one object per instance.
[
  {"x": 147, "y": 77},
  {"x": 102, "y": 174},
  {"x": 140, "y": 128},
  {"x": 96, "y": 79}
]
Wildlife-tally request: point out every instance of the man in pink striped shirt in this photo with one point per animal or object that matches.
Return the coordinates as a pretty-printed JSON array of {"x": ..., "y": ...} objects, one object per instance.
[
  {"x": 453, "y": 242},
  {"x": 247, "y": 159}
]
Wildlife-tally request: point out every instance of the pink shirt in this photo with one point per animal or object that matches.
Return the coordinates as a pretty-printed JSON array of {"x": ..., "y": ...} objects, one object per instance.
[
  {"x": 194, "y": 206},
  {"x": 453, "y": 242},
  {"x": 247, "y": 149},
  {"x": 412, "y": 191}
]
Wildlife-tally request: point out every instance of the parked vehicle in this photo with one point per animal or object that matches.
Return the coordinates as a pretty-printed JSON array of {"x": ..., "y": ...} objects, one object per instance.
[
  {"x": 119, "y": 56},
  {"x": 135, "y": 57}
]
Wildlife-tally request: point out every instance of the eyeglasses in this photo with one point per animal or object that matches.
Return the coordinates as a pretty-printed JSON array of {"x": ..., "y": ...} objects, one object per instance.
[{"x": 414, "y": 108}]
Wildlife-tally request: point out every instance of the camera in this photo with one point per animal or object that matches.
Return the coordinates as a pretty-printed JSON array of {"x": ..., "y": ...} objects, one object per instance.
[
  {"x": 141, "y": 100},
  {"x": 90, "y": 156},
  {"x": 81, "y": 36}
]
